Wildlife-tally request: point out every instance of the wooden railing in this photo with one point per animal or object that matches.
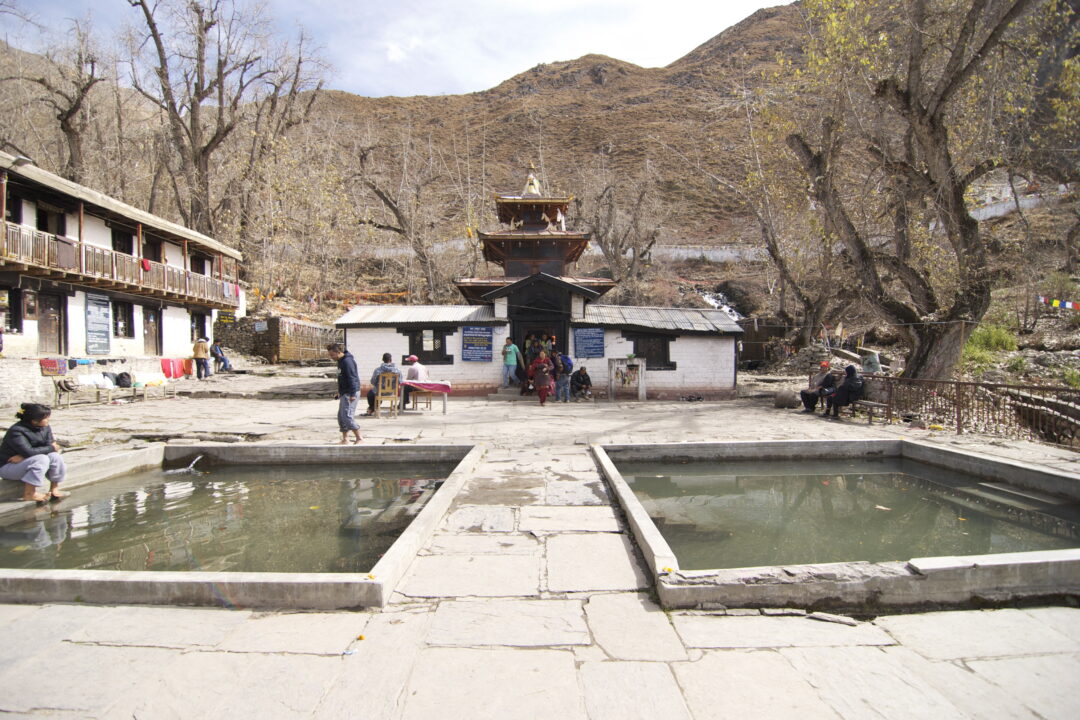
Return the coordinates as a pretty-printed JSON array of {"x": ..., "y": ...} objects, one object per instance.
[{"x": 102, "y": 266}]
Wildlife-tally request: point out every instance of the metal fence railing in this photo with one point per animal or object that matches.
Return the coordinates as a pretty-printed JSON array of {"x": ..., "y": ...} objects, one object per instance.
[{"x": 1024, "y": 412}]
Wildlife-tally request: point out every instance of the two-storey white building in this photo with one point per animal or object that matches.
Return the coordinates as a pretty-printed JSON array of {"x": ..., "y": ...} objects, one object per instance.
[{"x": 83, "y": 275}]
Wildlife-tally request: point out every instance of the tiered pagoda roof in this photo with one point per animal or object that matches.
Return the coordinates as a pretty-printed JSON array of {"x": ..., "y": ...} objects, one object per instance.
[{"x": 534, "y": 239}]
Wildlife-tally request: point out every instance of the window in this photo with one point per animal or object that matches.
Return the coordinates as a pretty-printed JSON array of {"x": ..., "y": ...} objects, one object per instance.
[
  {"x": 430, "y": 345},
  {"x": 14, "y": 209},
  {"x": 51, "y": 220},
  {"x": 655, "y": 349},
  {"x": 198, "y": 326},
  {"x": 122, "y": 241},
  {"x": 198, "y": 264},
  {"x": 11, "y": 310},
  {"x": 151, "y": 250},
  {"x": 123, "y": 318}
]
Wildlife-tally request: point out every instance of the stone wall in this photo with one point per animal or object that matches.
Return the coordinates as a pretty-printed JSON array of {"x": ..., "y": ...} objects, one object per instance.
[{"x": 277, "y": 339}]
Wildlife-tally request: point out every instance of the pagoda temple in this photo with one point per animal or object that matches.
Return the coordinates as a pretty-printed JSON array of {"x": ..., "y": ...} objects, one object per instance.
[
  {"x": 534, "y": 249},
  {"x": 683, "y": 351}
]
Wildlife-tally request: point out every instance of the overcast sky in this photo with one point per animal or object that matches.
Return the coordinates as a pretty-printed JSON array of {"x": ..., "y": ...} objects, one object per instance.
[{"x": 431, "y": 47}]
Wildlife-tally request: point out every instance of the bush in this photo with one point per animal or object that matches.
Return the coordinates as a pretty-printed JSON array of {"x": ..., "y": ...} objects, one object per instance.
[
  {"x": 976, "y": 359},
  {"x": 1017, "y": 365},
  {"x": 1072, "y": 378},
  {"x": 991, "y": 338}
]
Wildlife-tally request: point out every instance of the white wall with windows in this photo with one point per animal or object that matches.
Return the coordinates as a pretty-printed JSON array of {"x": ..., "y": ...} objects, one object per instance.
[{"x": 695, "y": 364}]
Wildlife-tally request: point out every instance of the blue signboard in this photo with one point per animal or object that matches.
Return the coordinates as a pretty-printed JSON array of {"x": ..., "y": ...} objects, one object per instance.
[
  {"x": 476, "y": 344},
  {"x": 588, "y": 342}
]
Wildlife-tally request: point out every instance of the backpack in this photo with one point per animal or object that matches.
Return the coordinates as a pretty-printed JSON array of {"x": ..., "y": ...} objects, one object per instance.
[{"x": 123, "y": 380}]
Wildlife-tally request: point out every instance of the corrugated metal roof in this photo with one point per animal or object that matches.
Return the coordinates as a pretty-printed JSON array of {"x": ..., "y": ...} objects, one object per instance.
[
  {"x": 671, "y": 319},
  {"x": 417, "y": 314},
  {"x": 81, "y": 192}
]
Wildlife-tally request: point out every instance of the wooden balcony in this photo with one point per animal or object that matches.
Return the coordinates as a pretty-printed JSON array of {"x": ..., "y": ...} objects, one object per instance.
[{"x": 34, "y": 252}]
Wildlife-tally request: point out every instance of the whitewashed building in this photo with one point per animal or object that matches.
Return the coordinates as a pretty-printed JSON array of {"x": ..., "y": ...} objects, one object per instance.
[
  {"x": 83, "y": 275},
  {"x": 685, "y": 351}
]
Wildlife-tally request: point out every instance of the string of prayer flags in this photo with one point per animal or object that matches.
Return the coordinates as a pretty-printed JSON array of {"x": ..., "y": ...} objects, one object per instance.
[{"x": 1059, "y": 303}]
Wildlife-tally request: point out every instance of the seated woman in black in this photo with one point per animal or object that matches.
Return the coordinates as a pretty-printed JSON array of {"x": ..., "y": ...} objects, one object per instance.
[
  {"x": 849, "y": 391},
  {"x": 30, "y": 454}
]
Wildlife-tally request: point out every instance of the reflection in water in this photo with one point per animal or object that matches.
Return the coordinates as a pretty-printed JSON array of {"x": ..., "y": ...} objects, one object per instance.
[
  {"x": 781, "y": 513},
  {"x": 238, "y": 519}
]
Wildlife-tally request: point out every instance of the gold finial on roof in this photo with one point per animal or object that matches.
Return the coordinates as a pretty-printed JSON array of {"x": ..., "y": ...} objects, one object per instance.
[{"x": 532, "y": 186}]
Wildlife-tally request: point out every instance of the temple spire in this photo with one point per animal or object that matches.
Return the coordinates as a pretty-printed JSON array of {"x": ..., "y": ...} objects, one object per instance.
[{"x": 532, "y": 187}]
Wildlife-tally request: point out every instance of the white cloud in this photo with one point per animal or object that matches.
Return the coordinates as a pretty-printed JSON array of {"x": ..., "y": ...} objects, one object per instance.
[{"x": 431, "y": 47}]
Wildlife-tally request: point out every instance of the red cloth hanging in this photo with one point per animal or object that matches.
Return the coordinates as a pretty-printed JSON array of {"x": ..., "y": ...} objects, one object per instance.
[{"x": 145, "y": 265}]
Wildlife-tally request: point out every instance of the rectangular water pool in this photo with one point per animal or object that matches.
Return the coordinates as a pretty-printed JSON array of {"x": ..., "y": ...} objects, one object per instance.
[
  {"x": 857, "y": 525},
  {"x": 349, "y": 519},
  {"x": 781, "y": 512},
  {"x": 272, "y": 518}
]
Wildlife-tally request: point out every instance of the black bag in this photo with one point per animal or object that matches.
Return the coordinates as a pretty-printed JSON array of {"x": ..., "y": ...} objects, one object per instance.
[{"x": 123, "y": 380}]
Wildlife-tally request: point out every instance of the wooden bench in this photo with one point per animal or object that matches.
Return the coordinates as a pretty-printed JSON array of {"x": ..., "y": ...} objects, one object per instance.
[
  {"x": 63, "y": 396},
  {"x": 93, "y": 393},
  {"x": 420, "y": 396},
  {"x": 870, "y": 406}
]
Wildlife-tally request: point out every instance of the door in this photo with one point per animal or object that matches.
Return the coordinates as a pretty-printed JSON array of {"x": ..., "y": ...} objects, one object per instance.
[
  {"x": 151, "y": 331},
  {"x": 524, "y": 328},
  {"x": 50, "y": 317}
]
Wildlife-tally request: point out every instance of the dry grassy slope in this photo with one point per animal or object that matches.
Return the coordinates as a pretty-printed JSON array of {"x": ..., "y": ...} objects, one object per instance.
[{"x": 573, "y": 112}]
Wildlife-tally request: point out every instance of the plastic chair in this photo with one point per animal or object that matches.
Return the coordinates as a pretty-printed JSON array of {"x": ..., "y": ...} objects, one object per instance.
[{"x": 388, "y": 390}]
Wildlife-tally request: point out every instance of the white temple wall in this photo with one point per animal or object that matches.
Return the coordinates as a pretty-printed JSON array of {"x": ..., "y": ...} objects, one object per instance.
[{"x": 705, "y": 364}]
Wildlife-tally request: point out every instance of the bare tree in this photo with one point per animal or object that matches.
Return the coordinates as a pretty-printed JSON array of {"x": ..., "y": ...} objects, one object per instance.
[
  {"x": 624, "y": 215},
  {"x": 65, "y": 82},
  {"x": 407, "y": 194},
  {"x": 209, "y": 67},
  {"x": 912, "y": 104}
]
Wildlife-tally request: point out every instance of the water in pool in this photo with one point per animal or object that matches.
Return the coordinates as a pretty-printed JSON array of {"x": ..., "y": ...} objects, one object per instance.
[
  {"x": 760, "y": 513},
  {"x": 268, "y": 518}
]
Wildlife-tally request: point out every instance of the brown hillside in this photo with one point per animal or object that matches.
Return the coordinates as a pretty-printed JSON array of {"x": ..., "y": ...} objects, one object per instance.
[{"x": 568, "y": 116}]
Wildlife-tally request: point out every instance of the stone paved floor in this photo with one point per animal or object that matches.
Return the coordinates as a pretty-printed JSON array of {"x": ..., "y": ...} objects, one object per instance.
[{"x": 529, "y": 602}]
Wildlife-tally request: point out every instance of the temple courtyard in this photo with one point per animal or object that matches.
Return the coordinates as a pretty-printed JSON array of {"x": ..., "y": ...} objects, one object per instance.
[{"x": 530, "y": 601}]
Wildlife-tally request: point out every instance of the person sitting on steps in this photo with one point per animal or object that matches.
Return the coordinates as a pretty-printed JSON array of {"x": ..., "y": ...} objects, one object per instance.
[{"x": 30, "y": 454}]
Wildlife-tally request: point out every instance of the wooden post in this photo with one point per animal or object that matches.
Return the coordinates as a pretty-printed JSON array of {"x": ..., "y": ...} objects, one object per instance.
[
  {"x": 82, "y": 248},
  {"x": 187, "y": 269},
  {"x": 139, "y": 237}
]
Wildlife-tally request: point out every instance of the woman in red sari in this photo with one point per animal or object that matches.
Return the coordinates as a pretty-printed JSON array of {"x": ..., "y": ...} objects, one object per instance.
[{"x": 541, "y": 375}]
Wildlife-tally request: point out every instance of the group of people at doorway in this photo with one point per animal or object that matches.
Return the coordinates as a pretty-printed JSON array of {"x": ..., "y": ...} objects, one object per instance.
[
  {"x": 549, "y": 371},
  {"x": 348, "y": 390},
  {"x": 832, "y": 395}
]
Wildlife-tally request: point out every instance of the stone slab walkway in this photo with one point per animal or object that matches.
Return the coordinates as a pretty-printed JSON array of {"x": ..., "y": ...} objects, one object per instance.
[{"x": 529, "y": 602}]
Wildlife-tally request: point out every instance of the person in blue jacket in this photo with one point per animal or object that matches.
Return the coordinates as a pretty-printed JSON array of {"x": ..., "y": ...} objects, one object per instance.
[
  {"x": 348, "y": 391},
  {"x": 30, "y": 454}
]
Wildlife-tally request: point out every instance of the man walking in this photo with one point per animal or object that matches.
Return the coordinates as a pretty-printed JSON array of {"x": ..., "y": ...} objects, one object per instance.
[
  {"x": 348, "y": 391},
  {"x": 201, "y": 352},
  {"x": 511, "y": 359}
]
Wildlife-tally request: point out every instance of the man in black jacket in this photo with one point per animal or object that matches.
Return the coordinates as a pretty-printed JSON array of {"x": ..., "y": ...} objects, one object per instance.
[{"x": 348, "y": 391}]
